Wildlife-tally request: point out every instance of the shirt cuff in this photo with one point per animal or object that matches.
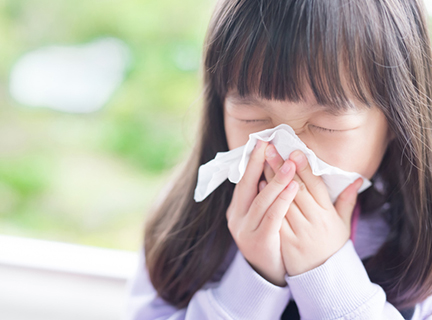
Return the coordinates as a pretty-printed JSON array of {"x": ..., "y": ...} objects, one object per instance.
[
  {"x": 333, "y": 289},
  {"x": 244, "y": 294}
]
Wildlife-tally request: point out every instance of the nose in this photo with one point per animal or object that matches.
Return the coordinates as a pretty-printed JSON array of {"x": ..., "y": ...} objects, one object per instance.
[{"x": 303, "y": 136}]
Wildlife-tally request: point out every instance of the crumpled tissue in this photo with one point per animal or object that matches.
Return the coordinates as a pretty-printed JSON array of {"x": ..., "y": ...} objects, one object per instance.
[{"x": 232, "y": 164}]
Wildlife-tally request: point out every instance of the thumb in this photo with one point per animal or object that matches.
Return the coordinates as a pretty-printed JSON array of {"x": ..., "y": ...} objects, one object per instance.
[{"x": 346, "y": 201}]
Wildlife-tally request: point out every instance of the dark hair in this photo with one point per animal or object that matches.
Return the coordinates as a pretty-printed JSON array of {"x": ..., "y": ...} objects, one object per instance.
[{"x": 273, "y": 48}]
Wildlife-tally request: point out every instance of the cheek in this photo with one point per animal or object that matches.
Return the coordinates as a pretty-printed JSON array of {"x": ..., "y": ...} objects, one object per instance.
[
  {"x": 236, "y": 137},
  {"x": 237, "y": 134},
  {"x": 362, "y": 153},
  {"x": 340, "y": 153},
  {"x": 370, "y": 154}
]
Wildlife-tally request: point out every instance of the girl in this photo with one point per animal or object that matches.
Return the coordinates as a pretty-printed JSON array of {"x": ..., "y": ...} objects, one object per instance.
[{"x": 353, "y": 79}]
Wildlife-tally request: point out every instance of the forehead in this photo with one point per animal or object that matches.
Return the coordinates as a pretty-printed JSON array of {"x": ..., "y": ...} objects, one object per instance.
[{"x": 254, "y": 101}]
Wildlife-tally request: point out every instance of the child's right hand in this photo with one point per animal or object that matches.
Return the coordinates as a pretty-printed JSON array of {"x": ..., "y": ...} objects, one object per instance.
[{"x": 255, "y": 219}]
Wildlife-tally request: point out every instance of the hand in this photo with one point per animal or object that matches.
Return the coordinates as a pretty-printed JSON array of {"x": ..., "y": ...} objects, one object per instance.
[
  {"x": 255, "y": 219},
  {"x": 313, "y": 229}
]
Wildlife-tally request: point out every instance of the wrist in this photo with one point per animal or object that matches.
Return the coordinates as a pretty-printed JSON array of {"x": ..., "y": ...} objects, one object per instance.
[{"x": 276, "y": 277}]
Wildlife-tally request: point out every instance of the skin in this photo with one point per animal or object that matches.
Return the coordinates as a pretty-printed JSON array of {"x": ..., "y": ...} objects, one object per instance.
[{"x": 291, "y": 231}]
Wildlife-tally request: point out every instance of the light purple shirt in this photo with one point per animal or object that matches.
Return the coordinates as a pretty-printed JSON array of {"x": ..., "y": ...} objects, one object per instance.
[{"x": 340, "y": 288}]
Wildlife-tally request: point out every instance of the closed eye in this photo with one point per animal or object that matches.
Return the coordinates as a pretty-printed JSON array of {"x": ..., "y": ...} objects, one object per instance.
[
  {"x": 250, "y": 121},
  {"x": 324, "y": 129},
  {"x": 318, "y": 128}
]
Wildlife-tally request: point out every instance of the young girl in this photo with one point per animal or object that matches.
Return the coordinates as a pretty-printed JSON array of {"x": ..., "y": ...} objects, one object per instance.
[{"x": 354, "y": 80}]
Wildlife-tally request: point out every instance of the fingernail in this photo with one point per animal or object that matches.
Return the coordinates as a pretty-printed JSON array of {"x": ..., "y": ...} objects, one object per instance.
[
  {"x": 258, "y": 144},
  {"x": 270, "y": 153},
  {"x": 298, "y": 156},
  {"x": 292, "y": 185},
  {"x": 286, "y": 167}
]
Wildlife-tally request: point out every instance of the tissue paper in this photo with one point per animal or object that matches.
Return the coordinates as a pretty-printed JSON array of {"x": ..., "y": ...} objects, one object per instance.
[{"x": 232, "y": 164}]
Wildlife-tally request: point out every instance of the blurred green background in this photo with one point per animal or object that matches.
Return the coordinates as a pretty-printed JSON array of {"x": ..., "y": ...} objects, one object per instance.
[{"x": 90, "y": 178}]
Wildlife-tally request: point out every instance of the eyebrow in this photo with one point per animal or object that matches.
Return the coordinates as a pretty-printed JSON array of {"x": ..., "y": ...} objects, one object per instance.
[{"x": 249, "y": 100}]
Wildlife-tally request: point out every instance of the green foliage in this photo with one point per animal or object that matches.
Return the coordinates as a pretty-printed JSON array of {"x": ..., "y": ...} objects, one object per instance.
[
  {"x": 90, "y": 179},
  {"x": 27, "y": 176},
  {"x": 149, "y": 143}
]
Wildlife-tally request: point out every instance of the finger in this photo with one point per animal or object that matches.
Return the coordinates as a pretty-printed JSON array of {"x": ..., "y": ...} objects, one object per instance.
[
  {"x": 268, "y": 172},
  {"x": 314, "y": 184},
  {"x": 268, "y": 195},
  {"x": 305, "y": 201},
  {"x": 296, "y": 218},
  {"x": 286, "y": 233},
  {"x": 261, "y": 185},
  {"x": 247, "y": 187},
  {"x": 272, "y": 219},
  {"x": 273, "y": 158},
  {"x": 346, "y": 201}
]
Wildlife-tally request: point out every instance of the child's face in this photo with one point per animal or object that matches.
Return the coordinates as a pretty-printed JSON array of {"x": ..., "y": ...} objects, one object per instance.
[{"x": 359, "y": 146}]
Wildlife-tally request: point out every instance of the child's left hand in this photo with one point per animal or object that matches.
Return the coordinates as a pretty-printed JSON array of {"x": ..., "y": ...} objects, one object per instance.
[{"x": 313, "y": 229}]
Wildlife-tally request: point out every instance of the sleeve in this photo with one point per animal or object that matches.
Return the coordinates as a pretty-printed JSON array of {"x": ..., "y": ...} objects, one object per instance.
[
  {"x": 423, "y": 311},
  {"x": 240, "y": 294},
  {"x": 340, "y": 288}
]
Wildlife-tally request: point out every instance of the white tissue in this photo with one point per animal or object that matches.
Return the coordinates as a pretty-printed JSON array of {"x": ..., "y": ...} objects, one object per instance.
[{"x": 232, "y": 164}]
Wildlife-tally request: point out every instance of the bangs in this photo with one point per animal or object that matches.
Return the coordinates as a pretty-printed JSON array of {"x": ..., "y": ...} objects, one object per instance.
[{"x": 276, "y": 49}]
